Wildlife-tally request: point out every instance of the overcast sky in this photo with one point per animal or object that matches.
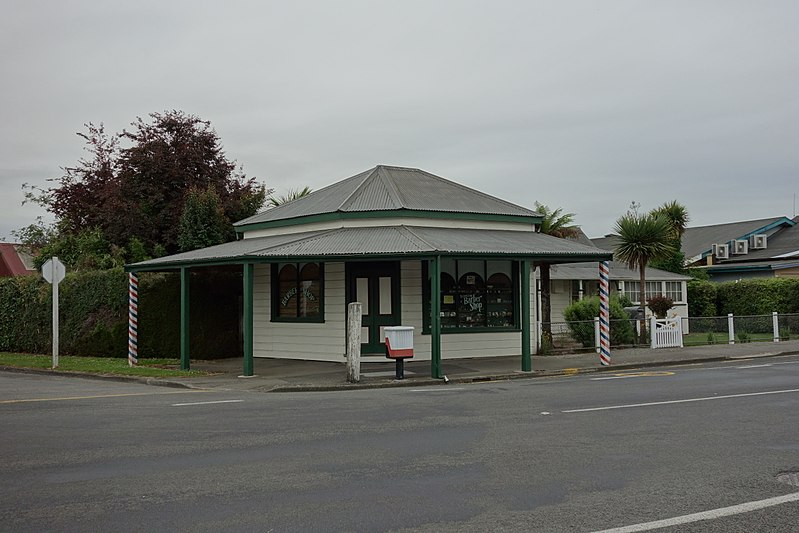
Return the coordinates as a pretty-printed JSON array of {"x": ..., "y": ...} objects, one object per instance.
[{"x": 581, "y": 105}]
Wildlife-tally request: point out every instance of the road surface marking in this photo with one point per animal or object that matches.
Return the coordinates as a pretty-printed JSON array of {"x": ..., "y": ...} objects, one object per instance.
[
  {"x": 754, "y": 366},
  {"x": 206, "y": 403},
  {"x": 68, "y": 398},
  {"x": 687, "y": 400},
  {"x": 635, "y": 375},
  {"x": 706, "y": 515},
  {"x": 438, "y": 390}
]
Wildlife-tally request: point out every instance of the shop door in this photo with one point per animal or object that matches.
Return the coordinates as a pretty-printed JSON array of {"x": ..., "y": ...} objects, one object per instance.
[{"x": 376, "y": 285}]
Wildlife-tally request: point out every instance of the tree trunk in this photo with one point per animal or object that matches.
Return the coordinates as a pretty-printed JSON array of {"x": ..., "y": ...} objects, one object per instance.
[
  {"x": 642, "y": 303},
  {"x": 546, "y": 309}
]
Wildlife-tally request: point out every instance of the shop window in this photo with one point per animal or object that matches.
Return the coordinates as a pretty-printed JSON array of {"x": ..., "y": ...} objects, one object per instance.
[
  {"x": 297, "y": 292},
  {"x": 475, "y": 295}
]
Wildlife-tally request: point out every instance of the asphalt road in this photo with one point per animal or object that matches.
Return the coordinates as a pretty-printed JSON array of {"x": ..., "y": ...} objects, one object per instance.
[{"x": 581, "y": 453}]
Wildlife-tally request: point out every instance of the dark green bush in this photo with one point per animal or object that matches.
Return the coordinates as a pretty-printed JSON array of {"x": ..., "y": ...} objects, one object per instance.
[
  {"x": 702, "y": 298},
  {"x": 758, "y": 296},
  {"x": 580, "y": 318},
  {"x": 93, "y": 314}
]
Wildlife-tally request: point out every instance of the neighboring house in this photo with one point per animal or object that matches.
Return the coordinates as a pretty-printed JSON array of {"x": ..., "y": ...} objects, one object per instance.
[
  {"x": 14, "y": 261},
  {"x": 378, "y": 238},
  {"x": 576, "y": 281},
  {"x": 767, "y": 247}
]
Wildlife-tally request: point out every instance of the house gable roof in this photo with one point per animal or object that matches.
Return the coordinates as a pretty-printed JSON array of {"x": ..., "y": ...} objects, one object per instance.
[
  {"x": 14, "y": 261},
  {"x": 698, "y": 241},
  {"x": 396, "y": 190}
]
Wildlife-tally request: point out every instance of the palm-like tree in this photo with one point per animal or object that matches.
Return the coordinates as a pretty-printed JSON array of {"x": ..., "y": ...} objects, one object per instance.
[
  {"x": 290, "y": 196},
  {"x": 643, "y": 238},
  {"x": 677, "y": 214},
  {"x": 678, "y": 217},
  {"x": 558, "y": 224}
]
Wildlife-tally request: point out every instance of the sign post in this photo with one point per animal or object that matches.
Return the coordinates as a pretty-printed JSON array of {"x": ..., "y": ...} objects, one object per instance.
[{"x": 54, "y": 271}]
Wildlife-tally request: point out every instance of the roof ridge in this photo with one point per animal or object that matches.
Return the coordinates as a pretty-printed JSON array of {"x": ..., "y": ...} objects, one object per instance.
[
  {"x": 415, "y": 235},
  {"x": 300, "y": 237},
  {"x": 351, "y": 197},
  {"x": 390, "y": 185},
  {"x": 773, "y": 219}
]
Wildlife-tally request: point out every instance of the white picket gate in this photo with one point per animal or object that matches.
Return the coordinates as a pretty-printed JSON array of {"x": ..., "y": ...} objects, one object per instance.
[{"x": 666, "y": 332}]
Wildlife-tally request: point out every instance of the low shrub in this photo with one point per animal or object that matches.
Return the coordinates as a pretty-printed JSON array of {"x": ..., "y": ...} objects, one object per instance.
[{"x": 580, "y": 319}]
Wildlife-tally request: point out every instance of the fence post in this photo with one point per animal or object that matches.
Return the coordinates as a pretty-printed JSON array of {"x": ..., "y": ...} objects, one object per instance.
[
  {"x": 354, "y": 342},
  {"x": 731, "y": 328},
  {"x": 653, "y": 332},
  {"x": 596, "y": 333},
  {"x": 776, "y": 321}
]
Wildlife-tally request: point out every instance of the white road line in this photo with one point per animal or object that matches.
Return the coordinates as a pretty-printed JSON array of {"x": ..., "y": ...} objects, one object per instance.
[
  {"x": 205, "y": 403},
  {"x": 706, "y": 515},
  {"x": 613, "y": 377},
  {"x": 754, "y": 366},
  {"x": 438, "y": 390},
  {"x": 687, "y": 400}
]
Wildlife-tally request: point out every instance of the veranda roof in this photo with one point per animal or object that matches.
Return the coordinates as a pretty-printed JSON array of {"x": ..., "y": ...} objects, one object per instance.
[{"x": 383, "y": 242}]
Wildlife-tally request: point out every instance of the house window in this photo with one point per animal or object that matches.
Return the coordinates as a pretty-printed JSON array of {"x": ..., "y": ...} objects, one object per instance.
[
  {"x": 297, "y": 290},
  {"x": 475, "y": 295},
  {"x": 653, "y": 288},
  {"x": 674, "y": 290},
  {"x": 633, "y": 291}
]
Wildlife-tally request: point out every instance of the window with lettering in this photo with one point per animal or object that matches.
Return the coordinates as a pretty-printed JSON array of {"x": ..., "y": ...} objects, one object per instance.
[
  {"x": 476, "y": 295},
  {"x": 297, "y": 292}
]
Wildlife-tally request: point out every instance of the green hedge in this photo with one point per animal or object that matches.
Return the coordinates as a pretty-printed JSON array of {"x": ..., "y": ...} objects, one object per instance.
[
  {"x": 758, "y": 296},
  {"x": 746, "y": 297},
  {"x": 580, "y": 318},
  {"x": 702, "y": 298},
  {"x": 93, "y": 309}
]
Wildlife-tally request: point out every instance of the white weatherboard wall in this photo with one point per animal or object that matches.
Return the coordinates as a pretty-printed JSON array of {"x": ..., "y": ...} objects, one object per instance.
[
  {"x": 297, "y": 340},
  {"x": 397, "y": 221},
  {"x": 327, "y": 341}
]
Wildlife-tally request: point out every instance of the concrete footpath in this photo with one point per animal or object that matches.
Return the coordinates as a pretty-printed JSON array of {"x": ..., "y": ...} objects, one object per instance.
[
  {"x": 276, "y": 375},
  {"x": 280, "y": 375}
]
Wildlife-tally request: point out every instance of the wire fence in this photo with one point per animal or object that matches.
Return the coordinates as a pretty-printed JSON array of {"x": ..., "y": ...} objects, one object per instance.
[{"x": 583, "y": 335}]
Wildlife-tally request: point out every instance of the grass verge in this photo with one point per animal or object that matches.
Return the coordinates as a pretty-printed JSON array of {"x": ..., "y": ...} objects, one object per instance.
[{"x": 156, "y": 368}]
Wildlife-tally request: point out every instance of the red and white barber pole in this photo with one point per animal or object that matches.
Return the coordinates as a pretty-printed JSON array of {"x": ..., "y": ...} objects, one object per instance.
[
  {"x": 604, "y": 313},
  {"x": 133, "y": 319}
]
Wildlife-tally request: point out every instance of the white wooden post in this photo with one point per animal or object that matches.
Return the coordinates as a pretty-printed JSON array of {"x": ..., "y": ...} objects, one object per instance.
[
  {"x": 653, "y": 324},
  {"x": 776, "y": 321},
  {"x": 596, "y": 333},
  {"x": 354, "y": 311},
  {"x": 731, "y": 328}
]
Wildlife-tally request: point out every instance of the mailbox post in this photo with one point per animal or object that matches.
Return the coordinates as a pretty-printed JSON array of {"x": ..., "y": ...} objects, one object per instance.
[{"x": 399, "y": 346}]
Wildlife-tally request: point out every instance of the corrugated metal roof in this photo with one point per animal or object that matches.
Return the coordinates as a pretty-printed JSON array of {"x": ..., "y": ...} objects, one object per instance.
[
  {"x": 391, "y": 188},
  {"x": 618, "y": 271},
  {"x": 389, "y": 241},
  {"x": 700, "y": 239}
]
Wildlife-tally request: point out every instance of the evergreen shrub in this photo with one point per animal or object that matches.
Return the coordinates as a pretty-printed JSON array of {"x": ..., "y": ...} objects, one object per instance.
[
  {"x": 93, "y": 314},
  {"x": 580, "y": 318}
]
